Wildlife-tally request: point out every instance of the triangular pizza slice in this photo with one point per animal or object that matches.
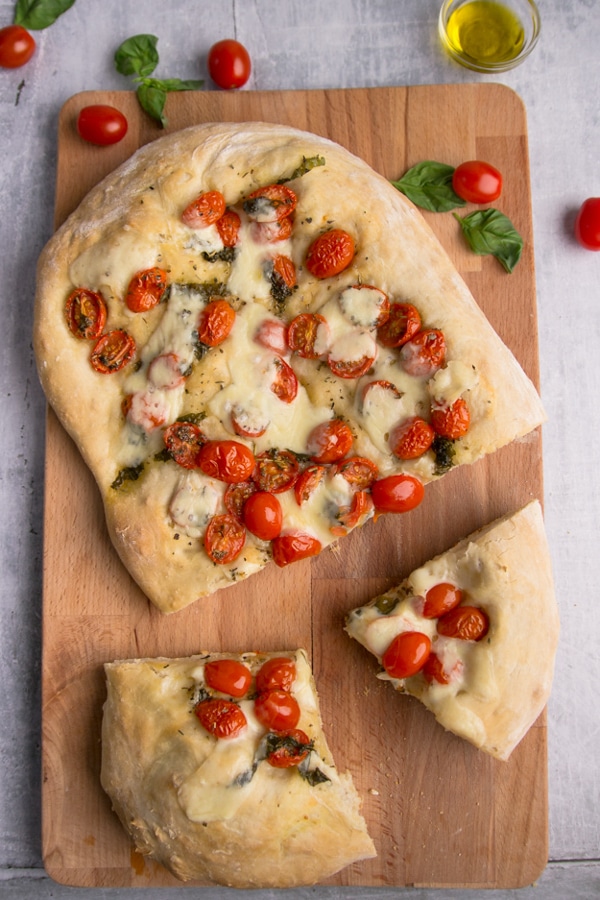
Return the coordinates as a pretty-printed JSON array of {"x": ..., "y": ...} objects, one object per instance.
[{"x": 473, "y": 633}]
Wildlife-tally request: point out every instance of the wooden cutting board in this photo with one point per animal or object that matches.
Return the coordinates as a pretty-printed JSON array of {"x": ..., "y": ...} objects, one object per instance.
[{"x": 440, "y": 812}]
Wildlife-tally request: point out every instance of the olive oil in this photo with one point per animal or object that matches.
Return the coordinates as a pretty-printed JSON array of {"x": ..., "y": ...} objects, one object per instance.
[{"x": 485, "y": 32}]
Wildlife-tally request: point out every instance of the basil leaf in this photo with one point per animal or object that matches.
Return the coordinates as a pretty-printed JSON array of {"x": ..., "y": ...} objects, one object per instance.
[
  {"x": 152, "y": 100},
  {"x": 176, "y": 84},
  {"x": 39, "y": 14},
  {"x": 490, "y": 232},
  {"x": 137, "y": 55},
  {"x": 429, "y": 185}
]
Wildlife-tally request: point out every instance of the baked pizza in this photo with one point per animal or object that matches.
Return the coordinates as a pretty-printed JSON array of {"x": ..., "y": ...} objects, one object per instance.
[
  {"x": 473, "y": 633},
  {"x": 218, "y": 768},
  {"x": 258, "y": 345}
]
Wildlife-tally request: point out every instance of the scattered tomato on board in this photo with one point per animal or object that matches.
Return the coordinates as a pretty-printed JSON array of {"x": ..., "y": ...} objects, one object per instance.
[
  {"x": 587, "y": 224},
  {"x": 17, "y": 46},
  {"x": 229, "y": 64},
  {"x": 101, "y": 124},
  {"x": 477, "y": 181}
]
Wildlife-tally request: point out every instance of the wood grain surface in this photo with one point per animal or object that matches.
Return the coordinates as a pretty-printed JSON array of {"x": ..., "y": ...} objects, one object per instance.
[{"x": 440, "y": 812}]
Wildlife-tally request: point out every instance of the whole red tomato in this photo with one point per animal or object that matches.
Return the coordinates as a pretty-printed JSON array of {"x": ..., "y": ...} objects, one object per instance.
[
  {"x": 587, "y": 224},
  {"x": 477, "y": 181},
  {"x": 229, "y": 64},
  {"x": 17, "y": 46},
  {"x": 100, "y": 124}
]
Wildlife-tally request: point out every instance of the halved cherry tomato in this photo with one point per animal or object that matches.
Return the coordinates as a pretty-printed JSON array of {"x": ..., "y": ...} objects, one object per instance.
[
  {"x": 215, "y": 322},
  {"x": 224, "y": 539},
  {"x": 343, "y": 359},
  {"x": 285, "y": 383},
  {"x": 146, "y": 289},
  {"x": 434, "y": 670},
  {"x": 229, "y": 676},
  {"x": 469, "y": 623},
  {"x": 364, "y": 305},
  {"x": 451, "y": 421},
  {"x": 17, "y": 46},
  {"x": 329, "y": 441},
  {"x": 263, "y": 516},
  {"x": 330, "y": 253},
  {"x": 147, "y": 409},
  {"x": 402, "y": 323},
  {"x": 101, "y": 124},
  {"x": 164, "y": 372},
  {"x": 221, "y": 718},
  {"x": 112, "y": 352},
  {"x": 86, "y": 314},
  {"x": 228, "y": 227},
  {"x": 183, "y": 441},
  {"x": 348, "y": 517},
  {"x": 477, "y": 181},
  {"x": 365, "y": 398},
  {"x": 308, "y": 335},
  {"x": 271, "y": 203},
  {"x": 277, "y": 673},
  {"x": 272, "y": 232},
  {"x": 587, "y": 224},
  {"x": 407, "y": 654},
  {"x": 283, "y": 273},
  {"x": 440, "y": 599},
  {"x": 292, "y": 547},
  {"x": 411, "y": 438},
  {"x": 228, "y": 461},
  {"x": 229, "y": 64},
  {"x": 277, "y": 710},
  {"x": 271, "y": 333},
  {"x": 288, "y": 748},
  {"x": 236, "y": 495},
  {"x": 359, "y": 472},
  {"x": 248, "y": 425},
  {"x": 276, "y": 470},
  {"x": 307, "y": 482},
  {"x": 205, "y": 210},
  {"x": 397, "y": 493},
  {"x": 424, "y": 354}
]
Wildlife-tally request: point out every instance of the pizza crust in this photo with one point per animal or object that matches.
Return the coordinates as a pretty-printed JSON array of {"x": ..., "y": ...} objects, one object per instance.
[
  {"x": 278, "y": 831},
  {"x": 505, "y": 568}
]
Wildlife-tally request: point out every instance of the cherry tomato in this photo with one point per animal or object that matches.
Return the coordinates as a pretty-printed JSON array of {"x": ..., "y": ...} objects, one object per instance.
[
  {"x": 402, "y": 323},
  {"x": 277, "y": 673},
  {"x": 434, "y": 670},
  {"x": 272, "y": 232},
  {"x": 228, "y": 227},
  {"x": 370, "y": 311},
  {"x": 469, "y": 623},
  {"x": 271, "y": 333},
  {"x": 17, "y": 46},
  {"x": 215, "y": 323},
  {"x": 229, "y": 676},
  {"x": 284, "y": 272},
  {"x": 329, "y": 441},
  {"x": 587, "y": 224},
  {"x": 411, "y": 438},
  {"x": 224, "y": 539},
  {"x": 236, "y": 495},
  {"x": 407, "y": 654},
  {"x": 289, "y": 748},
  {"x": 292, "y": 547},
  {"x": 277, "y": 710},
  {"x": 228, "y": 461},
  {"x": 348, "y": 517},
  {"x": 164, "y": 372},
  {"x": 307, "y": 482},
  {"x": 451, "y": 421},
  {"x": 146, "y": 289},
  {"x": 397, "y": 493},
  {"x": 229, "y": 64},
  {"x": 112, "y": 352},
  {"x": 352, "y": 368},
  {"x": 147, "y": 409},
  {"x": 101, "y": 124},
  {"x": 330, "y": 253},
  {"x": 359, "y": 472},
  {"x": 440, "y": 599},
  {"x": 263, "y": 515},
  {"x": 205, "y": 210},
  {"x": 86, "y": 314},
  {"x": 183, "y": 441},
  {"x": 221, "y": 718},
  {"x": 477, "y": 181},
  {"x": 276, "y": 471},
  {"x": 308, "y": 335},
  {"x": 285, "y": 383},
  {"x": 424, "y": 354},
  {"x": 271, "y": 203},
  {"x": 248, "y": 425},
  {"x": 366, "y": 398}
]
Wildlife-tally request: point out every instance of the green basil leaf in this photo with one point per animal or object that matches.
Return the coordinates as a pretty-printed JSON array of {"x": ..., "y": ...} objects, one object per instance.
[
  {"x": 176, "y": 84},
  {"x": 152, "y": 100},
  {"x": 490, "y": 232},
  {"x": 137, "y": 55},
  {"x": 429, "y": 185},
  {"x": 39, "y": 14}
]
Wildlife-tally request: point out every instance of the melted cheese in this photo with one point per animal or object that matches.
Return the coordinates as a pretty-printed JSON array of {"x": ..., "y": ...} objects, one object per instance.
[{"x": 195, "y": 500}]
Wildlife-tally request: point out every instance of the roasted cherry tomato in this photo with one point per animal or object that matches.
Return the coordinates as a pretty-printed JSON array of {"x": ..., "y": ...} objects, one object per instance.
[
  {"x": 271, "y": 333},
  {"x": 477, "y": 181},
  {"x": 277, "y": 673},
  {"x": 359, "y": 472},
  {"x": 248, "y": 425},
  {"x": 228, "y": 461},
  {"x": 283, "y": 273},
  {"x": 17, "y": 46},
  {"x": 221, "y": 718},
  {"x": 277, "y": 710},
  {"x": 402, "y": 323},
  {"x": 440, "y": 599},
  {"x": 424, "y": 354},
  {"x": 272, "y": 232},
  {"x": 236, "y": 495},
  {"x": 587, "y": 224},
  {"x": 229, "y": 64},
  {"x": 229, "y": 676},
  {"x": 329, "y": 441},
  {"x": 411, "y": 438},
  {"x": 366, "y": 397},
  {"x": 353, "y": 368},
  {"x": 397, "y": 493},
  {"x": 308, "y": 335},
  {"x": 86, "y": 314},
  {"x": 146, "y": 289},
  {"x": 289, "y": 548},
  {"x": 271, "y": 203},
  {"x": 183, "y": 442},
  {"x": 101, "y": 124},
  {"x": 407, "y": 654},
  {"x": 215, "y": 323},
  {"x": 276, "y": 470},
  {"x": 348, "y": 517},
  {"x": 263, "y": 515},
  {"x": 307, "y": 482},
  {"x": 205, "y": 210},
  {"x": 165, "y": 372},
  {"x": 288, "y": 748},
  {"x": 112, "y": 352},
  {"x": 224, "y": 539},
  {"x": 451, "y": 421},
  {"x": 469, "y": 623},
  {"x": 330, "y": 253},
  {"x": 434, "y": 670},
  {"x": 228, "y": 227},
  {"x": 285, "y": 383},
  {"x": 364, "y": 305}
]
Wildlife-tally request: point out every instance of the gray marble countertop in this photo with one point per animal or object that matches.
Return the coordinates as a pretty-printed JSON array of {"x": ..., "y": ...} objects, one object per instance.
[{"x": 344, "y": 43}]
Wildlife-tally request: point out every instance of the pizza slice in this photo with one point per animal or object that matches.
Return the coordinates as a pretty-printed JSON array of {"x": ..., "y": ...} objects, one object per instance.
[
  {"x": 218, "y": 768},
  {"x": 259, "y": 345},
  {"x": 473, "y": 633}
]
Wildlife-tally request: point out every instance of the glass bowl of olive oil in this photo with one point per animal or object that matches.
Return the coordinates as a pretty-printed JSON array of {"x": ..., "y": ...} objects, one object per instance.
[{"x": 489, "y": 35}]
